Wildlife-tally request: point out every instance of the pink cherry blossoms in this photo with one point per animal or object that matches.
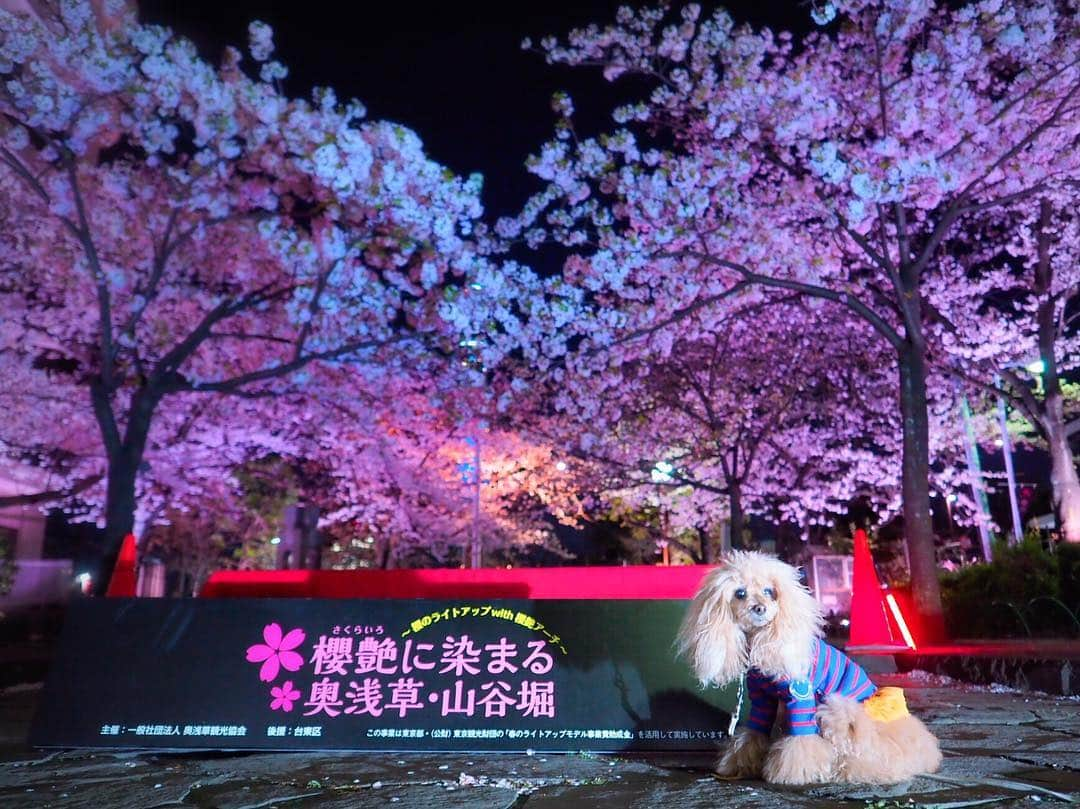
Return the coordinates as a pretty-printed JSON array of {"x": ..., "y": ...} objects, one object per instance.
[
  {"x": 787, "y": 263},
  {"x": 837, "y": 169}
]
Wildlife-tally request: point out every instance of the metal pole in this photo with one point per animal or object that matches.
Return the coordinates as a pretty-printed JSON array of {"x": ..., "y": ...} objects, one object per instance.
[
  {"x": 975, "y": 468},
  {"x": 475, "y": 555},
  {"x": 1006, "y": 447}
]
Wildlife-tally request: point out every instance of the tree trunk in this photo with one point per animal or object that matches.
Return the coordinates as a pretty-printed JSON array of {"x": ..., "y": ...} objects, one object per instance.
[
  {"x": 737, "y": 518},
  {"x": 918, "y": 528},
  {"x": 707, "y": 553},
  {"x": 119, "y": 511},
  {"x": 1065, "y": 483},
  {"x": 386, "y": 553},
  {"x": 1063, "y": 477},
  {"x": 125, "y": 459}
]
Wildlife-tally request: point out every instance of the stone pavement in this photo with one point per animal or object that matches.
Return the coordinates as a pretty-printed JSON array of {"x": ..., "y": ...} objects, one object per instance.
[{"x": 1002, "y": 748}]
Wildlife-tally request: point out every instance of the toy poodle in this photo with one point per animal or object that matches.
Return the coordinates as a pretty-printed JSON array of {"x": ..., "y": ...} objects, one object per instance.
[{"x": 752, "y": 617}]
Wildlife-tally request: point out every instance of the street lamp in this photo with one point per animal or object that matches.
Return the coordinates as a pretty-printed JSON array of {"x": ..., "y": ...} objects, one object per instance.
[{"x": 662, "y": 472}]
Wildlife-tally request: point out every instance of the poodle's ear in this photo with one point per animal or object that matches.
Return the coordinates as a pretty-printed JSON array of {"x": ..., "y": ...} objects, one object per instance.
[
  {"x": 709, "y": 638},
  {"x": 786, "y": 646}
]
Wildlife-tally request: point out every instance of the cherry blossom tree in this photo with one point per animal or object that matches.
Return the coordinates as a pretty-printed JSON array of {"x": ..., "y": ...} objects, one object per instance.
[
  {"x": 175, "y": 231},
  {"x": 787, "y": 411},
  {"x": 410, "y": 481},
  {"x": 226, "y": 531},
  {"x": 1021, "y": 284},
  {"x": 36, "y": 404},
  {"x": 836, "y": 167}
]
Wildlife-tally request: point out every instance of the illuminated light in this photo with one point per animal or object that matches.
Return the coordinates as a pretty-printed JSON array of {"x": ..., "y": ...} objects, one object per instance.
[
  {"x": 477, "y": 287},
  {"x": 336, "y": 547},
  {"x": 561, "y": 466},
  {"x": 998, "y": 442},
  {"x": 845, "y": 622},
  {"x": 275, "y": 540},
  {"x": 950, "y": 498},
  {"x": 468, "y": 343},
  {"x": 662, "y": 472},
  {"x": 1036, "y": 367},
  {"x": 890, "y": 599},
  {"x": 85, "y": 582}
]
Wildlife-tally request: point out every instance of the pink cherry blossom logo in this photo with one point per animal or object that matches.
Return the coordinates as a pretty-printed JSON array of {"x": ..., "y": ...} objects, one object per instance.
[
  {"x": 284, "y": 697},
  {"x": 277, "y": 652}
]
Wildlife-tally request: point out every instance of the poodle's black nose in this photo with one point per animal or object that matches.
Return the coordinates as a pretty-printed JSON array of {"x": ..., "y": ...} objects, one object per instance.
[{"x": 758, "y": 609}]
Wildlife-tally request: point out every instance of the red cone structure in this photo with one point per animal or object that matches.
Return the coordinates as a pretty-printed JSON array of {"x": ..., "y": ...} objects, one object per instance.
[
  {"x": 870, "y": 626},
  {"x": 122, "y": 583}
]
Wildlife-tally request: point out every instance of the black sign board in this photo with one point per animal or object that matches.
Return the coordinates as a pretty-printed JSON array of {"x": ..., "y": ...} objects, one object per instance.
[{"x": 298, "y": 674}]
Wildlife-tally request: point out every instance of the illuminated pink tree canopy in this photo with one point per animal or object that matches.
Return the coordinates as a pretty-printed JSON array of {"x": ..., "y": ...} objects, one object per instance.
[
  {"x": 837, "y": 169},
  {"x": 175, "y": 231},
  {"x": 787, "y": 259}
]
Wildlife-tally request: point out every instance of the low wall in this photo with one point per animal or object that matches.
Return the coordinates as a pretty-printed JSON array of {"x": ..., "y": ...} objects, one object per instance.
[
  {"x": 1052, "y": 667},
  {"x": 39, "y": 582}
]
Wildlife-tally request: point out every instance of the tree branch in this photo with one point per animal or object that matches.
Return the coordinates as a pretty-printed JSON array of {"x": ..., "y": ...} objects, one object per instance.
[{"x": 50, "y": 495}]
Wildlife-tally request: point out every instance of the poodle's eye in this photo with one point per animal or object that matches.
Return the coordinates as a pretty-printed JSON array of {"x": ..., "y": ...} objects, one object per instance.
[
  {"x": 740, "y": 593},
  {"x": 770, "y": 592}
]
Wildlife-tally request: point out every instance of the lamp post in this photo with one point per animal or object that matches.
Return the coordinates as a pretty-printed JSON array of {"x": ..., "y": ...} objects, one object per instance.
[
  {"x": 476, "y": 552},
  {"x": 470, "y": 476},
  {"x": 663, "y": 472}
]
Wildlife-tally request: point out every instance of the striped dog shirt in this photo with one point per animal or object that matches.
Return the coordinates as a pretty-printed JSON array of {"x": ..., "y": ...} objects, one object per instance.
[{"x": 831, "y": 672}]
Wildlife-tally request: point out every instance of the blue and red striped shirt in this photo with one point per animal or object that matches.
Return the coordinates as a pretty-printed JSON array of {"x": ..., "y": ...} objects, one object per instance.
[{"x": 831, "y": 672}]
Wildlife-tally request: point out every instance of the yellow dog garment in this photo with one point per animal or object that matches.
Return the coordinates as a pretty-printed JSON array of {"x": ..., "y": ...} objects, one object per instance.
[{"x": 886, "y": 704}]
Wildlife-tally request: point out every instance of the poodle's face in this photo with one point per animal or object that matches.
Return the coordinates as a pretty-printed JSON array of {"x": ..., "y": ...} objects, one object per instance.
[
  {"x": 751, "y": 610},
  {"x": 754, "y": 601}
]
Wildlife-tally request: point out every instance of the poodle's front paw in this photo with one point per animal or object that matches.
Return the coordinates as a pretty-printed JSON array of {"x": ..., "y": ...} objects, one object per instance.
[
  {"x": 744, "y": 756},
  {"x": 796, "y": 760}
]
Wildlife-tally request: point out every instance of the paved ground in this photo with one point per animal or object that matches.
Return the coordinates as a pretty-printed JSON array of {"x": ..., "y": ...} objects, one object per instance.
[{"x": 1002, "y": 749}]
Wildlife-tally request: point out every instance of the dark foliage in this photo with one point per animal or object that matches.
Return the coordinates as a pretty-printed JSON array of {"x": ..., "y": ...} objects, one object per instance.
[{"x": 1028, "y": 590}]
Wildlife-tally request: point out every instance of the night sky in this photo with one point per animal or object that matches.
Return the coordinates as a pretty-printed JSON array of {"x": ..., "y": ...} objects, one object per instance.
[{"x": 453, "y": 72}]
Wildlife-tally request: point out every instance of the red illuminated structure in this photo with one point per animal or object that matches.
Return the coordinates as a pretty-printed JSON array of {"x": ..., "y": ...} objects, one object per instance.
[
  {"x": 631, "y": 582},
  {"x": 877, "y": 622},
  {"x": 874, "y": 612},
  {"x": 122, "y": 583}
]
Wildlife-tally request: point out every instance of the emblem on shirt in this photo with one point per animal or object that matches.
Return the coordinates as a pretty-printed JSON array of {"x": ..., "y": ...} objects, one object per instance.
[{"x": 801, "y": 689}]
